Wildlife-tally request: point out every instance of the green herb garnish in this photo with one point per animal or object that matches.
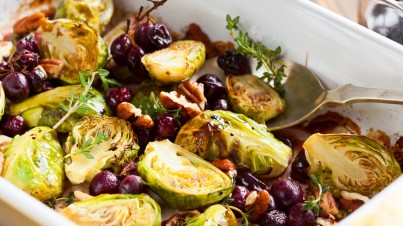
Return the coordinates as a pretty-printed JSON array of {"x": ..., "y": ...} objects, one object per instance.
[
  {"x": 313, "y": 203},
  {"x": 90, "y": 143},
  {"x": 265, "y": 57}
]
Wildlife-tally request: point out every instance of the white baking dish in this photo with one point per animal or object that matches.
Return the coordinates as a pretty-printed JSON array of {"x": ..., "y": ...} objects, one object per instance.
[{"x": 338, "y": 50}]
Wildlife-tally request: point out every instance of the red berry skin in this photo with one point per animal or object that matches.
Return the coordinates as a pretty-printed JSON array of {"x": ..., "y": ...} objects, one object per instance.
[
  {"x": 16, "y": 87},
  {"x": 286, "y": 193},
  {"x": 299, "y": 217},
  {"x": 14, "y": 125}
]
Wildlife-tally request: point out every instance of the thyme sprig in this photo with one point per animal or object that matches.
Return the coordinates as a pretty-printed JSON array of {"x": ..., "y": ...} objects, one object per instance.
[
  {"x": 102, "y": 75},
  {"x": 264, "y": 56},
  {"x": 313, "y": 203},
  {"x": 227, "y": 201},
  {"x": 90, "y": 143}
]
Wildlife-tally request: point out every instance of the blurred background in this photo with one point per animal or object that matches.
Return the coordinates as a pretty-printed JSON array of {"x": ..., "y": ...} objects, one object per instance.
[{"x": 370, "y": 13}]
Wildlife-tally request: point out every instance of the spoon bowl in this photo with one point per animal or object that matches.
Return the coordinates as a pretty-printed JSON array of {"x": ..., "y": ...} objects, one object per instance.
[{"x": 305, "y": 95}]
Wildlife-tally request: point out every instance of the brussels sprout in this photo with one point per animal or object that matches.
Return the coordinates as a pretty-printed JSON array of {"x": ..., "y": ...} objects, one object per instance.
[
  {"x": 44, "y": 109},
  {"x": 223, "y": 134},
  {"x": 2, "y": 101},
  {"x": 96, "y": 13},
  {"x": 34, "y": 163},
  {"x": 214, "y": 216},
  {"x": 116, "y": 209},
  {"x": 181, "y": 178},
  {"x": 74, "y": 43},
  {"x": 175, "y": 63},
  {"x": 350, "y": 163},
  {"x": 254, "y": 98},
  {"x": 96, "y": 143}
]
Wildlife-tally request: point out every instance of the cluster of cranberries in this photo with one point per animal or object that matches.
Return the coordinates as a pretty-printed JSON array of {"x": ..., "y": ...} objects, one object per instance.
[
  {"x": 286, "y": 197},
  {"x": 21, "y": 77},
  {"x": 128, "y": 181},
  {"x": 148, "y": 37}
]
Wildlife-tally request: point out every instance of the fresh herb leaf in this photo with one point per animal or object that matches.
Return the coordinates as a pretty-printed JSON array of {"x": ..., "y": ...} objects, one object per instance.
[
  {"x": 265, "y": 57},
  {"x": 90, "y": 143},
  {"x": 313, "y": 203}
]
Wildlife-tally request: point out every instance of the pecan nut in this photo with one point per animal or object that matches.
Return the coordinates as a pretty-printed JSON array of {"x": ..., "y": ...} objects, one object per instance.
[
  {"x": 224, "y": 165},
  {"x": 194, "y": 92},
  {"x": 174, "y": 100},
  {"x": 328, "y": 204},
  {"x": 259, "y": 201},
  {"x": 53, "y": 67},
  {"x": 129, "y": 112},
  {"x": 28, "y": 23},
  {"x": 143, "y": 121}
]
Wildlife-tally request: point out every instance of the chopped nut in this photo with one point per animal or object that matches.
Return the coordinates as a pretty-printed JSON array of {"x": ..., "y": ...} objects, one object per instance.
[
  {"x": 350, "y": 205},
  {"x": 1, "y": 162},
  {"x": 28, "y": 23},
  {"x": 174, "y": 100},
  {"x": 250, "y": 200},
  {"x": 52, "y": 67},
  {"x": 328, "y": 204},
  {"x": 261, "y": 205},
  {"x": 143, "y": 121},
  {"x": 224, "y": 165},
  {"x": 354, "y": 196},
  {"x": 81, "y": 196},
  {"x": 194, "y": 92},
  {"x": 127, "y": 111}
]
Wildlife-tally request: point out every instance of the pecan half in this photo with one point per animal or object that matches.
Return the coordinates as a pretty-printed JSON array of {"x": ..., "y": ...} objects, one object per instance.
[
  {"x": 261, "y": 205},
  {"x": 194, "y": 92},
  {"x": 53, "y": 67},
  {"x": 143, "y": 121},
  {"x": 129, "y": 112},
  {"x": 224, "y": 165},
  {"x": 328, "y": 204},
  {"x": 28, "y": 23}
]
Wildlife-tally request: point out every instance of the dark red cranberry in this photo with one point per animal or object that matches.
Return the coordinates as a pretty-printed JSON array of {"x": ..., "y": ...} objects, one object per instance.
[
  {"x": 141, "y": 37},
  {"x": 104, "y": 182},
  {"x": 47, "y": 86},
  {"x": 144, "y": 137},
  {"x": 24, "y": 60},
  {"x": 286, "y": 193},
  {"x": 135, "y": 65},
  {"x": 299, "y": 168},
  {"x": 14, "y": 125},
  {"x": 273, "y": 218},
  {"x": 129, "y": 168},
  {"x": 4, "y": 69},
  {"x": 166, "y": 127},
  {"x": 132, "y": 184},
  {"x": 159, "y": 36},
  {"x": 116, "y": 95},
  {"x": 221, "y": 104},
  {"x": 120, "y": 48},
  {"x": 239, "y": 195},
  {"x": 16, "y": 86},
  {"x": 37, "y": 79},
  {"x": 234, "y": 63},
  {"x": 251, "y": 182},
  {"x": 299, "y": 217},
  {"x": 28, "y": 43},
  {"x": 213, "y": 87}
]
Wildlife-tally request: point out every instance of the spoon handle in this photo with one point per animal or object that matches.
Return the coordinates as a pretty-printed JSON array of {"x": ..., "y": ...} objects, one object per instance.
[{"x": 350, "y": 94}]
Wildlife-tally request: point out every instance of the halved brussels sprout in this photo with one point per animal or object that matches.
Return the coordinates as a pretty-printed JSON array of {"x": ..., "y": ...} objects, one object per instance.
[
  {"x": 175, "y": 63},
  {"x": 116, "y": 209},
  {"x": 2, "y": 101},
  {"x": 96, "y": 13},
  {"x": 181, "y": 178},
  {"x": 34, "y": 163},
  {"x": 78, "y": 46},
  {"x": 96, "y": 143},
  {"x": 216, "y": 215},
  {"x": 44, "y": 108},
  {"x": 254, "y": 98},
  {"x": 223, "y": 134},
  {"x": 350, "y": 163}
]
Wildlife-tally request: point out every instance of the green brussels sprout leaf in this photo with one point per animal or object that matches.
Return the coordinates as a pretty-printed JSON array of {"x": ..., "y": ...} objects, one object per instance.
[{"x": 215, "y": 215}]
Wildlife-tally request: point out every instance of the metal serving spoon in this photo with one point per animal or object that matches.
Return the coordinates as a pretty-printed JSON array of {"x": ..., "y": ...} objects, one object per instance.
[{"x": 305, "y": 95}]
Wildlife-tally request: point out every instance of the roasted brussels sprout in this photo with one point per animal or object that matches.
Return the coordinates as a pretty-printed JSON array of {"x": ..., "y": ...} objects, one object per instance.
[
  {"x": 78, "y": 46},
  {"x": 96, "y": 13},
  {"x": 223, "y": 134},
  {"x": 34, "y": 163},
  {"x": 254, "y": 98},
  {"x": 2, "y": 101},
  {"x": 175, "y": 63},
  {"x": 350, "y": 163},
  {"x": 96, "y": 143},
  {"x": 181, "y": 178},
  {"x": 44, "y": 109},
  {"x": 216, "y": 215},
  {"x": 116, "y": 209}
]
